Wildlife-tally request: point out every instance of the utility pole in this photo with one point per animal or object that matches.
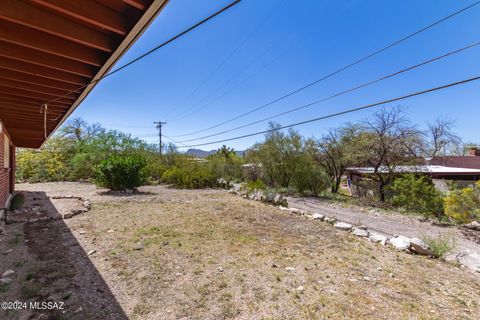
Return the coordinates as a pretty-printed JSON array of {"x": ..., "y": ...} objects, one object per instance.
[{"x": 159, "y": 127}]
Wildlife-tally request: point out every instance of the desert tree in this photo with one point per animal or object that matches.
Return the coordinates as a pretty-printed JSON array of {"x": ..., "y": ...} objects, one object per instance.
[
  {"x": 278, "y": 155},
  {"x": 440, "y": 135},
  {"x": 388, "y": 140},
  {"x": 332, "y": 155},
  {"x": 80, "y": 130}
]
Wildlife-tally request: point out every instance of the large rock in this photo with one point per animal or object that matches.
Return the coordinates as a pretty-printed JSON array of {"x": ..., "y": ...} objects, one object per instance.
[
  {"x": 469, "y": 259},
  {"x": 360, "y": 232},
  {"x": 400, "y": 243},
  {"x": 420, "y": 247},
  {"x": 378, "y": 238},
  {"x": 343, "y": 226},
  {"x": 474, "y": 225}
]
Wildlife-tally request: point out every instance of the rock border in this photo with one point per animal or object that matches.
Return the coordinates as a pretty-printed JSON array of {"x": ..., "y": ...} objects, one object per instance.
[
  {"x": 87, "y": 206},
  {"x": 397, "y": 242}
]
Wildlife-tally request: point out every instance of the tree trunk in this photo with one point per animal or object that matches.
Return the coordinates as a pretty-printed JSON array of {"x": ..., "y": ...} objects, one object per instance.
[
  {"x": 336, "y": 184},
  {"x": 381, "y": 190}
]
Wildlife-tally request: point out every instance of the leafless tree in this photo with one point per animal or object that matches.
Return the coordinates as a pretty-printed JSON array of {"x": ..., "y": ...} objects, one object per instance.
[
  {"x": 79, "y": 129},
  {"x": 387, "y": 141},
  {"x": 331, "y": 156},
  {"x": 441, "y": 136}
]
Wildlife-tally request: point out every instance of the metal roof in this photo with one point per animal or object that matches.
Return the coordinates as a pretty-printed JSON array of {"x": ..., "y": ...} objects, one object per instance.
[
  {"x": 49, "y": 48},
  {"x": 417, "y": 169}
]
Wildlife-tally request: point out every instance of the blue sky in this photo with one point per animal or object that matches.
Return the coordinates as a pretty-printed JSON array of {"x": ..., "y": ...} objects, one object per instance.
[{"x": 261, "y": 50}]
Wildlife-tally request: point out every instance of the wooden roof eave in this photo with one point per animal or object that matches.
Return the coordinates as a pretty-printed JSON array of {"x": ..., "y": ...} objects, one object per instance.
[{"x": 142, "y": 24}]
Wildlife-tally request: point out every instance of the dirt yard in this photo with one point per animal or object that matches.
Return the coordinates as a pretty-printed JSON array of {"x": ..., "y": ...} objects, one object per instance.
[{"x": 177, "y": 254}]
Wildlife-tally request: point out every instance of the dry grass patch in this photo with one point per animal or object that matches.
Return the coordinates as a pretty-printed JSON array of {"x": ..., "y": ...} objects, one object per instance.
[{"x": 211, "y": 255}]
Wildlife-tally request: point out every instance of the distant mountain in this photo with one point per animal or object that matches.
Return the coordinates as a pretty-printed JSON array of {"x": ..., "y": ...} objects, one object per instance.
[
  {"x": 199, "y": 153},
  {"x": 203, "y": 154}
]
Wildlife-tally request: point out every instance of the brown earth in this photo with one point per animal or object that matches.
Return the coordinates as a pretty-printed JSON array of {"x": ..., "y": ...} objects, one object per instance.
[{"x": 181, "y": 254}]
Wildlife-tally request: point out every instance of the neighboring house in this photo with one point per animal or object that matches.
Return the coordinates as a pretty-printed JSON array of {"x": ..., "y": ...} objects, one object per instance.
[
  {"x": 460, "y": 170},
  {"x": 52, "y": 54}
]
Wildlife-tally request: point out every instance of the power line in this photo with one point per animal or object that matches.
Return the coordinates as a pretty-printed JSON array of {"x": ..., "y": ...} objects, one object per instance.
[
  {"x": 337, "y": 71},
  {"x": 230, "y": 55},
  {"x": 340, "y": 93},
  {"x": 341, "y": 113},
  {"x": 174, "y": 141},
  {"x": 196, "y": 25},
  {"x": 203, "y": 102}
]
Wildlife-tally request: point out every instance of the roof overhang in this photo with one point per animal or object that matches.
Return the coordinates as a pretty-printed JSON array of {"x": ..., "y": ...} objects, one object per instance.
[{"x": 53, "y": 50}]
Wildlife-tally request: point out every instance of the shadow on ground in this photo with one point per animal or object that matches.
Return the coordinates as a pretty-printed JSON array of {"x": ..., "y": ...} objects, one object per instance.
[{"x": 50, "y": 265}]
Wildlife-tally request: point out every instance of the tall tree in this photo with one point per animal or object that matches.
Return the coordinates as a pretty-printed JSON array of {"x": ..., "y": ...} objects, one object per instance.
[
  {"x": 440, "y": 136},
  {"x": 388, "y": 140},
  {"x": 332, "y": 156}
]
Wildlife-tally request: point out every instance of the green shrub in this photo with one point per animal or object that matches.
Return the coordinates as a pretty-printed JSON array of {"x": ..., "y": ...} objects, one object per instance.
[
  {"x": 463, "y": 205},
  {"x": 310, "y": 179},
  {"x": 171, "y": 176},
  {"x": 192, "y": 177},
  {"x": 416, "y": 194},
  {"x": 155, "y": 169},
  {"x": 440, "y": 245},
  {"x": 120, "y": 173},
  {"x": 251, "y": 186}
]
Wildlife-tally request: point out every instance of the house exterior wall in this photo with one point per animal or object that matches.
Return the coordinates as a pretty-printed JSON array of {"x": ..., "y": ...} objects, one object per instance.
[{"x": 7, "y": 166}]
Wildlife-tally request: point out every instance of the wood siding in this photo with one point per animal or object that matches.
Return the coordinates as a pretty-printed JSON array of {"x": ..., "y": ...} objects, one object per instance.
[{"x": 6, "y": 174}]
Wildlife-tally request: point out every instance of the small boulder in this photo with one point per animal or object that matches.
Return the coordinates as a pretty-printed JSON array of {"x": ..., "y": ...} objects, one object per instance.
[
  {"x": 8, "y": 273},
  {"x": 2, "y": 230},
  {"x": 474, "y": 225},
  {"x": 296, "y": 211},
  {"x": 91, "y": 252},
  {"x": 330, "y": 220},
  {"x": 377, "y": 238},
  {"x": 343, "y": 226},
  {"x": 5, "y": 280},
  {"x": 400, "y": 243},
  {"x": 138, "y": 246},
  {"x": 360, "y": 232},
  {"x": 317, "y": 216},
  {"x": 469, "y": 259},
  {"x": 420, "y": 247}
]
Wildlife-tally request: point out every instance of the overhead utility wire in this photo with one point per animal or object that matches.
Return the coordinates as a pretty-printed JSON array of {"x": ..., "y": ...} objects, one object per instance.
[
  {"x": 339, "y": 93},
  {"x": 337, "y": 71},
  {"x": 229, "y": 56},
  {"x": 340, "y": 113},
  {"x": 196, "y": 25},
  {"x": 203, "y": 102}
]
